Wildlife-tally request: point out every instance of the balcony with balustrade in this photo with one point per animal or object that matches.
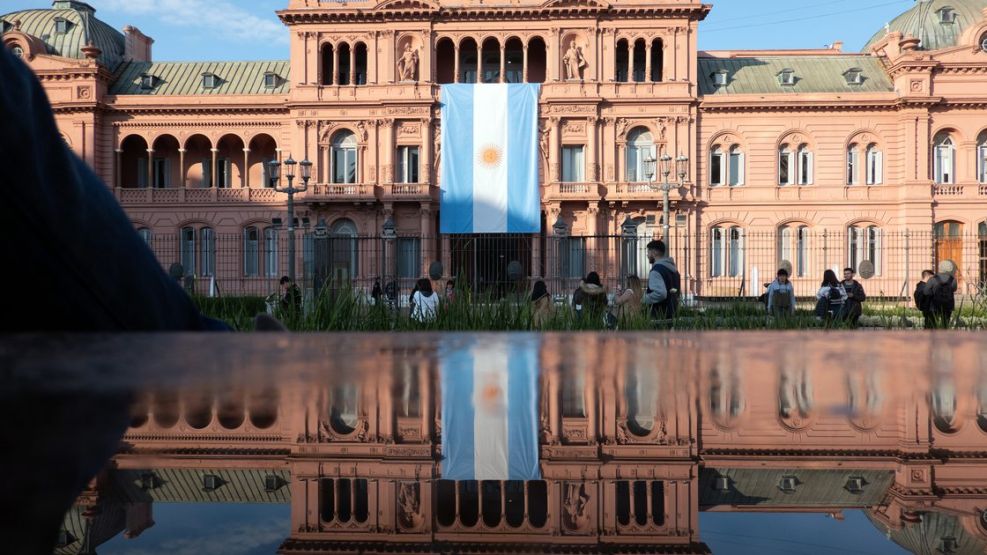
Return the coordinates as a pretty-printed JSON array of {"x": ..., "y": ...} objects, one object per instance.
[
  {"x": 959, "y": 191},
  {"x": 416, "y": 192},
  {"x": 327, "y": 193},
  {"x": 179, "y": 196},
  {"x": 587, "y": 191}
]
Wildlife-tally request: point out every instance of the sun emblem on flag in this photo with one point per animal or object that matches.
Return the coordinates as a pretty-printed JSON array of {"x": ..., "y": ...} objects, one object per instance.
[{"x": 491, "y": 155}]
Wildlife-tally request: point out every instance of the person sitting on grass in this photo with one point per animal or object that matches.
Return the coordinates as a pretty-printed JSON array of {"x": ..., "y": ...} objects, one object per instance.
[
  {"x": 542, "y": 308},
  {"x": 853, "y": 307},
  {"x": 590, "y": 298},
  {"x": 830, "y": 297},
  {"x": 424, "y": 302},
  {"x": 629, "y": 301},
  {"x": 781, "y": 295}
]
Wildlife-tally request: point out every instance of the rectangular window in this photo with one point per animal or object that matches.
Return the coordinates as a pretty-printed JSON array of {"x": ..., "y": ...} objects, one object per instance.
[
  {"x": 784, "y": 168},
  {"x": 223, "y": 172},
  {"x": 805, "y": 167},
  {"x": 572, "y": 257},
  {"x": 736, "y": 262},
  {"x": 572, "y": 164},
  {"x": 160, "y": 173},
  {"x": 308, "y": 255},
  {"x": 271, "y": 252},
  {"x": 407, "y": 165},
  {"x": 736, "y": 168},
  {"x": 716, "y": 252},
  {"x": 982, "y": 163},
  {"x": 343, "y": 165},
  {"x": 875, "y": 167},
  {"x": 187, "y": 247},
  {"x": 207, "y": 246},
  {"x": 802, "y": 252},
  {"x": 251, "y": 252},
  {"x": 851, "y": 166},
  {"x": 944, "y": 165},
  {"x": 409, "y": 257},
  {"x": 716, "y": 169}
]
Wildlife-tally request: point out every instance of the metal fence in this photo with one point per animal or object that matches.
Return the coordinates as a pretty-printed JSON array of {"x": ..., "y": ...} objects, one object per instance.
[{"x": 719, "y": 263}]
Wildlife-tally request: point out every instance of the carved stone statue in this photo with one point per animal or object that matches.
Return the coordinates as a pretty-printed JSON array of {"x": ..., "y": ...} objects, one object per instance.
[
  {"x": 574, "y": 506},
  {"x": 408, "y": 64},
  {"x": 409, "y": 506},
  {"x": 574, "y": 62}
]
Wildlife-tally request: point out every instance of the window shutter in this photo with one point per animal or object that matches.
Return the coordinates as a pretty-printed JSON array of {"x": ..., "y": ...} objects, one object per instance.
[
  {"x": 808, "y": 171},
  {"x": 878, "y": 167}
]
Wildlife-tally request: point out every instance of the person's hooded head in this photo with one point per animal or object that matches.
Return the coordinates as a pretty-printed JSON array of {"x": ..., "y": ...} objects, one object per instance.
[
  {"x": 593, "y": 278},
  {"x": 539, "y": 291}
]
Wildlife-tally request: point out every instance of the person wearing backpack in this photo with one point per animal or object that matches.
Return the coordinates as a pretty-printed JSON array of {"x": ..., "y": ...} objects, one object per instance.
[
  {"x": 923, "y": 299},
  {"x": 664, "y": 283},
  {"x": 853, "y": 308},
  {"x": 830, "y": 297},
  {"x": 942, "y": 293},
  {"x": 781, "y": 295}
]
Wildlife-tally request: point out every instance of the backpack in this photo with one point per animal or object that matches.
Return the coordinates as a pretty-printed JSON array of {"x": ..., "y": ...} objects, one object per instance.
[
  {"x": 942, "y": 292},
  {"x": 921, "y": 297},
  {"x": 834, "y": 295}
]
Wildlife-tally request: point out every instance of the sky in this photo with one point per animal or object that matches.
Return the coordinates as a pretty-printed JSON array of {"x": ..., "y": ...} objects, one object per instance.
[{"x": 249, "y": 29}]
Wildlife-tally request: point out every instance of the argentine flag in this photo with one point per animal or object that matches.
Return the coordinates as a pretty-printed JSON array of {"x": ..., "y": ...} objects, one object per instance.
[
  {"x": 490, "y": 410},
  {"x": 489, "y": 163}
]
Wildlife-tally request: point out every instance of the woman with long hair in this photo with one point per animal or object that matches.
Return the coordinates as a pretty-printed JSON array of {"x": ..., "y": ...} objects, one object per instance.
[
  {"x": 590, "y": 298},
  {"x": 830, "y": 297},
  {"x": 629, "y": 301},
  {"x": 541, "y": 305},
  {"x": 424, "y": 302}
]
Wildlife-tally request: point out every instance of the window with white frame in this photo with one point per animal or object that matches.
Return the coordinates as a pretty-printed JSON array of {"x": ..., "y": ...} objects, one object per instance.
[
  {"x": 735, "y": 169},
  {"x": 61, "y": 25},
  {"x": 875, "y": 165},
  {"x": 251, "y": 252},
  {"x": 852, "y": 164},
  {"x": 864, "y": 243},
  {"x": 717, "y": 169},
  {"x": 804, "y": 160},
  {"x": 207, "y": 250},
  {"x": 407, "y": 165},
  {"x": 573, "y": 164},
  {"x": 186, "y": 248},
  {"x": 786, "y": 77},
  {"x": 344, "y": 157},
  {"x": 726, "y": 251},
  {"x": 786, "y": 166},
  {"x": 944, "y": 154},
  {"x": 147, "y": 82},
  {"x": 270, "y": 80},
  {"x": 640, "y": 147},
  {"x": 793, "y": 246},
  {"x": 209, "y": 81},
  {"x": 270, "y": 252},
  {"x": 854, "y": 76},
  {"x": 720, "y": 78},
  {"x": 982, "y": 158},
  {"x": 947, "y": 15},
  {"x": 409, "y": 257}
]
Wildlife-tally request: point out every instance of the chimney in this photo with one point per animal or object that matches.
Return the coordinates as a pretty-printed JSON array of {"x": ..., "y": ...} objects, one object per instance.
[
  {"x": 838, "y": 46},
  {"x": 137, "y": 45}
]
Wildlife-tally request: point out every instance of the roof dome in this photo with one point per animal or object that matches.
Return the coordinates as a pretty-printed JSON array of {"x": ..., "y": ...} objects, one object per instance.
[
  {"x": 67, "y": 39},
  {"x": 936, "y": 533},
  {"x": 937, "y": 23}
]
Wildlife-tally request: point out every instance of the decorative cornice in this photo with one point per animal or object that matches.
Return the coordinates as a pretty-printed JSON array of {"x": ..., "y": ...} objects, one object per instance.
[
  {"x": 748, "y": 106},
  {"x": 485, "y": 13},
  {"x": 199, "y": 110},
  {"x": 194, "y": 124}
]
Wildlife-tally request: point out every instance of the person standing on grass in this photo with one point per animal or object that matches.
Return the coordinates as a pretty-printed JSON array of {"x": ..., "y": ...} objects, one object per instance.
[
  {"x": 629, "y": 301},
  {"x": 942, "y": 295},
  {"x": 853, "y": 307},
  {"x": 781, "y": 295},
  {"x": 923, "y": 299},
  {"x": 664, "y": 283},
  {"x": 590, "y": 298},
  {"x": 376, "y": 293},
  {"x": 450, "y": 291},
  {"x": 541, "y": 305},
  {"x": 424, "y": 302},
  {"x": 291, "y": 296},
  {"x": 830, "y": 297}
]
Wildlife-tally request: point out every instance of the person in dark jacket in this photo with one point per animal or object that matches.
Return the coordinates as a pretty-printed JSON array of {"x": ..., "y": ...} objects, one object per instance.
[
  {"x": 942, "y": 294},
  {"x": 830, "y": 297},
  {"x": 590, "y": 299},
  {"x": 852, "y": 308},
  {"x": 923, "y": 299},
  {"x": 72, "y": 241},
  {"x": 664, "y": 283},
  {"x": 291, "y": 297}
]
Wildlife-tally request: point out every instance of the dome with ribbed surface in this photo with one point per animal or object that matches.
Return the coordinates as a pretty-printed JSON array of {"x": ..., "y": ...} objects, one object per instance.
[
  {"x": 80, "y": 28},
  {"x": 937, "y": 533},
  {"x": 937, "y": 23}
]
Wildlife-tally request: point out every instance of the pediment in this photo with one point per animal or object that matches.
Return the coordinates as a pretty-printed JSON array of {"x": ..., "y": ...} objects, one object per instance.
[
  {"x": 598, "y": 4},
  {"x": 398, "y": 5}
]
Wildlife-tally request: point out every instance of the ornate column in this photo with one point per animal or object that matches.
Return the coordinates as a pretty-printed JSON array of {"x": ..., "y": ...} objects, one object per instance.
[
  {"x": 455, "y": 78},
  {"x": 425, "y": 160},
  {"x": 116, "y": 167},
  {"x": 552, "y": 59},
  {"x": 630, "y": 60},
  {"x": 647, "y": 61},
  {"x": 245, "y": 178},
  {"x": 479, "y": 62},
  {"x": 668, "y": 53},
  {"x": 150, "y": 168},
  {"x": 181, "y": 167},
  {"x": 386, "y": 144},
  {"x": 592, "y": 164},
  {"x": 335, "y": 64},
  {"x": 503, "y": 50},
  {"x": 524, "y": 64},
  {"x": 427, "y": 236},
  {"x": 212, "y": 169},
  {"x": 352, "y": 76},
  {"x": 554, "y": 142}
]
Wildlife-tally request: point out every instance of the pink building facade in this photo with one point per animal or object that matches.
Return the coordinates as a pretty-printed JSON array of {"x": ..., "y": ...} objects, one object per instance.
[{"x": 819, "y": 158}]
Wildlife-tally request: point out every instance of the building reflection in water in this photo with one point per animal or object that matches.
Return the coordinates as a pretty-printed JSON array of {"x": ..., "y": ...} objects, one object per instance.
[{"x": 638, "y": 433}]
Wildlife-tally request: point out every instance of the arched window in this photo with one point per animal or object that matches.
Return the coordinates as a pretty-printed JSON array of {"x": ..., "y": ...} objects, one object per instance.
[
  {"x": 145, "y": 235},
  {"x": 537, "y": 60},
  {"x": 360, "y": 61},
  {"x": 717, "y": 169},
  {"x": 468, "y": 55},
  {"x": 864, "y": 243},
  {"x": 982, "y": 158},
  {"x": 207, "y": 250},
  {"x": 875, "y": 165},
  {"x": 186, "y": 248},
  {"x": 786, "y": 166},
  {"x": 640, "y": 147},
  {"x": 793, "y": 247},
  {"x": 642, "y": 400},
  {"x": 270, "y": 252},
  {"x": 640, "y": 60},
  {"x": 343, "y": 411},
  {"x": 491, "y": 61},
  {"x": 344, "y": 159},
  {"x": 656, "y": 60},
  {"x": 251, "y": 252},
  {"x": 344, "y": 249},
  {"x": 944, "y": 166},
  {"x": 804, "y": 165},
  {"x": 852, "y": 165},
  {"x": 726, "y": 251},
  {"x": 344, "y": 64},
  {"x": 445, "y": 61},
  {"x": 948, "y": 237},
  {"x": 327, "y": 65},
  {"x": 735, "y": 170},
  {"x": 621, "y": 58}
]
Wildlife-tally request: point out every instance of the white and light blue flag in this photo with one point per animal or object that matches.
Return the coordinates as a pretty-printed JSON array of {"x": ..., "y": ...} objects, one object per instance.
[
  {"x": 490, "y": 410},
  {"x": 489, "y": 164}
]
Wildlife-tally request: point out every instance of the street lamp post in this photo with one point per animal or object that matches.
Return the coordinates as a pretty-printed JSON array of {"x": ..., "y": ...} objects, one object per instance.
[
  {"x": 274, "y": 174},
  {"x": 666, "y": 185}
]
